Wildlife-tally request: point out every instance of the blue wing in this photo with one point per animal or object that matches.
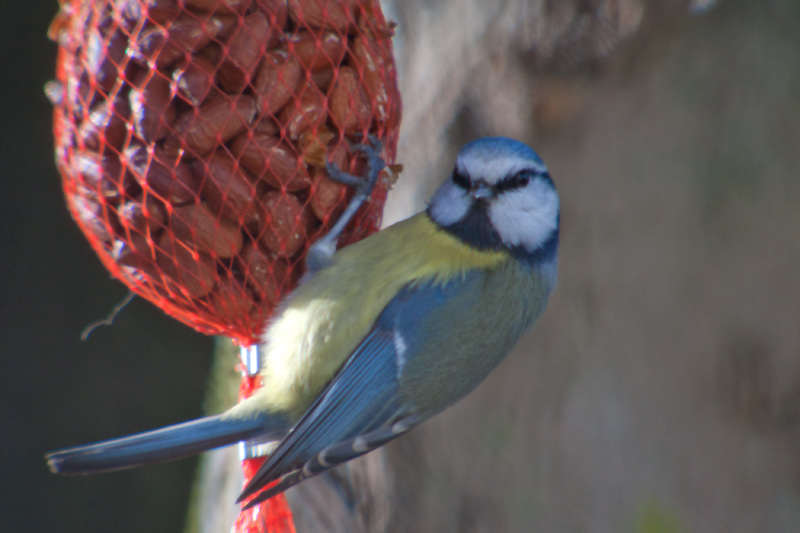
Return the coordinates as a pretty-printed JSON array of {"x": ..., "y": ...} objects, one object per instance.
[{"x": 358, "y": 411}]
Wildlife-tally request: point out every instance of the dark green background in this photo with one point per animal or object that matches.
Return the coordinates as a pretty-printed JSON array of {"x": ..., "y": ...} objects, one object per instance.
[{"x": 144, "y": 371}]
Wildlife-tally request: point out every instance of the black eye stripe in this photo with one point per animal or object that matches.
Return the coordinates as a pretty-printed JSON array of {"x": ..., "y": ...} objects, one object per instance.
[
  {"x": 509, "y": 183},
  {"x": 461, "y": 180},
  {"x": 515, "y": 181}
]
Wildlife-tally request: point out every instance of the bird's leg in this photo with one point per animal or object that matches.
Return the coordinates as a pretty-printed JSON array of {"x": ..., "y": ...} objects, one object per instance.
[{"x": 320, "y": 253}]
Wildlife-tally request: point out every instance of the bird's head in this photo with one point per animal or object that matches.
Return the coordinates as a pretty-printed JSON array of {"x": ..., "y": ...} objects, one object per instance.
[{"x": 500, "y": 196}]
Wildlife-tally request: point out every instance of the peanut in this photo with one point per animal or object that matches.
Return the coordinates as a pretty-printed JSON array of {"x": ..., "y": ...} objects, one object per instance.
[
  {"x": 150, "y": 105},
  {"x": 318, "y": 51},
  {"x": 170, "y": 178},
  {"x": 227, "y": 190},
  {"x": 305, "y": 113},
  {"x": 142, "y": 214},
  {"x": 327, "y": 197},
  {"x": 288, "y": 225},
  {"x": 265, "y": 273},
  {"x": 245, "y": 49},
  {"x": 198, "y": 228},
  {"x": 217, "y": 121},
  {"x": 105, "y": 126},
  {"x": 193, "y": 272},
  {"x": 334, "y": 14},
  {"x": 276, "y": 81},
  {"x": 349, "y": 104},
  {"x": 272, "y": 160},
  {"x": 194, "y": 80}
]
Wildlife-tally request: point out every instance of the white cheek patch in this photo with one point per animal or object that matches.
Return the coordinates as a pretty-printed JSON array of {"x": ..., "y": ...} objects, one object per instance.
[
  {"x": 526, "y": 217},
  {"x": 449, "y": 204}
]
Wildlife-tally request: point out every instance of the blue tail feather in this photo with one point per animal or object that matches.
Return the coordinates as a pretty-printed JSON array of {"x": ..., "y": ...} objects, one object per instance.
[{"x": 165, "y": 444}]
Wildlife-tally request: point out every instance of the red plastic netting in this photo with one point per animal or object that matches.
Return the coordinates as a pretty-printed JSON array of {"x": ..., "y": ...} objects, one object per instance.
[
  {"x": 191, "y": 136},
  {"x": 272, "y": 515}
]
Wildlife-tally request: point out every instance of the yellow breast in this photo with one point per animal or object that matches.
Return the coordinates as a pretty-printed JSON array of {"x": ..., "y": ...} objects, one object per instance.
[{"x": 325, "y": 318}]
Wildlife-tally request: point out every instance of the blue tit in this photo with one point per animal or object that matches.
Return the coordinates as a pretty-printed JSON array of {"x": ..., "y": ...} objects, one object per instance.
[{"x": 384, "y": 333}]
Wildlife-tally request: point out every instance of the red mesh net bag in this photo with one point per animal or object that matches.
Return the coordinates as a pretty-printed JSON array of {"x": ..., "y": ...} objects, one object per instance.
[{"x": 192, "y": 136}]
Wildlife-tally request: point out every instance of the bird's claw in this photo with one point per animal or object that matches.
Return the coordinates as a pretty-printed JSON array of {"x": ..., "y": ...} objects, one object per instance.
[
  {"x": 375, "y": 164},
  {"x": 321, "y": 252}
]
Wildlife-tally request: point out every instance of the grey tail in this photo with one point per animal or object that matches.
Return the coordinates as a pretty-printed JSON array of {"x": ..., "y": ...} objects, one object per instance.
[{"x": 165, "y": 444}]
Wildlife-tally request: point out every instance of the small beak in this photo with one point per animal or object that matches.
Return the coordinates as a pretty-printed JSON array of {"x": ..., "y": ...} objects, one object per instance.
[{"x": 482, "y": 192}]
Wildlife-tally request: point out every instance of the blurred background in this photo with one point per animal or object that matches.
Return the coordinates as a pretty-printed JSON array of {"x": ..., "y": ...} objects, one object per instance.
[{"x": 661, "y": 390}]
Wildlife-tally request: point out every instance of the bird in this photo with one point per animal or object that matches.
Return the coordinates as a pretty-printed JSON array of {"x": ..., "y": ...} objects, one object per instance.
[{"x": 385, "y": 333}]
